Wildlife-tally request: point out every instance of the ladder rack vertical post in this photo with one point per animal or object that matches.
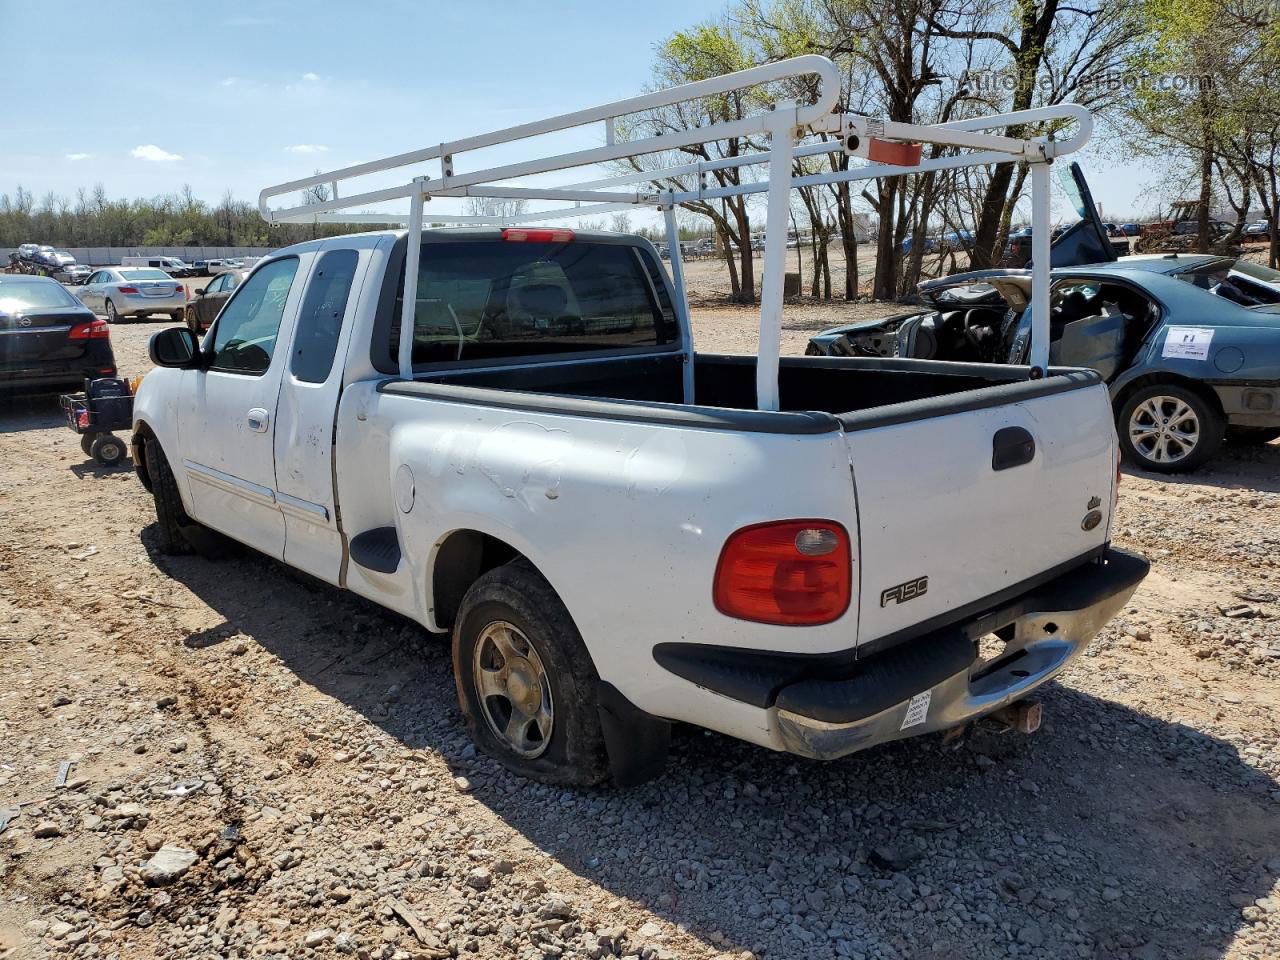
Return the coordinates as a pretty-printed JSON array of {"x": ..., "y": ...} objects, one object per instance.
[
  {"x": 781, "y": 150},
  {"x": 409, "y": 308},
  {"x": 682, "y": 295},
  {"x": 1040, "y": 264}
]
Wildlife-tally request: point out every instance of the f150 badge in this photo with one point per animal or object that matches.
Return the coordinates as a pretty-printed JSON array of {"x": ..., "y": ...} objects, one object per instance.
[{"x": 903, "y": 592}]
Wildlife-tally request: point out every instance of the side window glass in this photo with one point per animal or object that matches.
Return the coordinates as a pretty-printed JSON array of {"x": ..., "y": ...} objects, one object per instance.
[
  {"x": 245, "y": 336},
  {"x": 320, "y": 321},
  {"x": 216, "y": 286}
]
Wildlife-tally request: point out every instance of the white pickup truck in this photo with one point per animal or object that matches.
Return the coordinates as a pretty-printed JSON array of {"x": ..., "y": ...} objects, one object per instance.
[
  {"x": 505, "y": 433},
  {"x": 609, "y": 558}
]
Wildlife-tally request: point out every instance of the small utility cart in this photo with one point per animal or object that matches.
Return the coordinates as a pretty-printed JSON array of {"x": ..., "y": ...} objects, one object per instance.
[{"x": 105, "y": 405}]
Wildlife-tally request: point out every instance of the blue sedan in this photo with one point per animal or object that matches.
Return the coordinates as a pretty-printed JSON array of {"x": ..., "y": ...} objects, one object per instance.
[{"x": 1188, "y": 344}]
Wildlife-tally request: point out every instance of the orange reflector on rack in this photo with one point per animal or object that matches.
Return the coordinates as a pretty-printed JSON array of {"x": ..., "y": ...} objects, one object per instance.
[
  {"x": 896, "y": 154},
  {"x": 522, "y": 235}
]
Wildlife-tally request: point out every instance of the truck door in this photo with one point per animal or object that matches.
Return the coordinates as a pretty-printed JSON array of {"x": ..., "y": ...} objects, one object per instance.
[
  {"x": 227, "y": 418},
  {"x": 312, "y": 380}
]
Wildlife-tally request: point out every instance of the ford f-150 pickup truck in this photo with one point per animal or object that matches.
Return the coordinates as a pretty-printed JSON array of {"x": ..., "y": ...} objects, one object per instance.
[
  {"x": 505, "y": 433},
  {"x": 608, "y": 558}
]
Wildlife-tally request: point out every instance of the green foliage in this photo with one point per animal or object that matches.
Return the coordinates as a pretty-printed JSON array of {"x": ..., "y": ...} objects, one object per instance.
[{"x": 93, "y": 220}]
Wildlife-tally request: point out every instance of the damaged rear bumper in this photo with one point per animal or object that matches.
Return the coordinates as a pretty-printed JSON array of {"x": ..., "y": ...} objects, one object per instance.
[{"x": 824, "y": 709}]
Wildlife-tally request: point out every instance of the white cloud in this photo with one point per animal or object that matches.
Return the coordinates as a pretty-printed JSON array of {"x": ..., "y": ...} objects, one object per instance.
[
  {"x": 79, "y": 156},
  {"x": 308, "y": 148},
  {"x": 149, "y": 151},
  {"x": 311, "y": 76},
  {"x": 230, "y": 81}
]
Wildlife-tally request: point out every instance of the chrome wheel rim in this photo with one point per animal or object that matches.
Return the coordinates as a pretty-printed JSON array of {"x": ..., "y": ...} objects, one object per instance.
[
  {"x": 111, "y": 311},
  {"x": 513, "y": 689},
  {"x": 1164, "y": 429}
]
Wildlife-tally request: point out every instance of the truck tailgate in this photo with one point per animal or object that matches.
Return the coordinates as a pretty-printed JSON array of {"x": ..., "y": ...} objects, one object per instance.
[{"x": 955, "y": 507}]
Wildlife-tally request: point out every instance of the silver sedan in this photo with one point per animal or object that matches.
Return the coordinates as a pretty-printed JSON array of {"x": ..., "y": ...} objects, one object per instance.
[{"x": 117, "y": 292}]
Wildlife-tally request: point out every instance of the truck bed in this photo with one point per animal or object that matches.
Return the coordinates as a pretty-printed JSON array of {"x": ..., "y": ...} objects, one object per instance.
[{"x": 857, "y": 391}]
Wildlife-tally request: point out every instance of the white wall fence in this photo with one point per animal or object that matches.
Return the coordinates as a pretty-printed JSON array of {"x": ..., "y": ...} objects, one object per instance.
[{"x": 109, "y": 256}]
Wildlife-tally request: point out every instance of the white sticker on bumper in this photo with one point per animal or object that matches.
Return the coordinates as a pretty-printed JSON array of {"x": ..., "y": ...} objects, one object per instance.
[{"x": 917, "y": 710}]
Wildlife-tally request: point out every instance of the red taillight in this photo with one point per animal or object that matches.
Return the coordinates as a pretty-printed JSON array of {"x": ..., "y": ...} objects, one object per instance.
[
  {"x": 94, "y": 330},
  {"x": 128, "y": 289},
  {"x": 522, "y": 235},
  {"x": 791, "y": 572}
]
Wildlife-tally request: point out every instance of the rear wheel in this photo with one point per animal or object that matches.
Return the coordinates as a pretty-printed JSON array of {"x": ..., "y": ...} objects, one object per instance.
[
  {"x": 526, "y": 683},
  {"x": 170, "y": 517},
  {"x": 1251, "y": 436},
  {"x": 86, "y": 443},
  {"x": 107, "y": 449},
  {"x": 1169, "y": 429},
  {"x": 112, "y": 316}
]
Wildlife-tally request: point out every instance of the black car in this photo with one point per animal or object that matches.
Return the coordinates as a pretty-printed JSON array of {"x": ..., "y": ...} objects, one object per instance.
[
  {"x": 210, "y": 298},
  {"x": 49, "y": 340}
]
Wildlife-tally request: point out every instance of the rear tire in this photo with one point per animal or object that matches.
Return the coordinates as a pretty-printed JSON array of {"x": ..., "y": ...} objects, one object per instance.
[
  {"x": 86, "y": 443},
  {"x": 112, "y": 316},
  {"x": 1167, "y": 428},
  {"x": 1252, "y": 436},
  {"x": 170, "y": 516},
  {"x": 526, "y": 684},
  {"x": 108, "y": 449}
]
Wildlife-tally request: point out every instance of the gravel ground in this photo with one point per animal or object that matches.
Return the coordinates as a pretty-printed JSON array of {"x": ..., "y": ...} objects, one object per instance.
[{"x": 261, "y": 766}]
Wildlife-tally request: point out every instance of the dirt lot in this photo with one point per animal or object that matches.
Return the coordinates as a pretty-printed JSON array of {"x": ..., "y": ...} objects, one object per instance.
[{"x": 304, "y": 754}]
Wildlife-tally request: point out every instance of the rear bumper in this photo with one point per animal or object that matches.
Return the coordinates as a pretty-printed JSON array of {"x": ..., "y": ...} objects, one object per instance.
[
  {"x": 1250, "y": 405},
  {"x": 141, "y": 306},
  {"x": 37, "y": 377},
  {"x": 825, "y": 710}
]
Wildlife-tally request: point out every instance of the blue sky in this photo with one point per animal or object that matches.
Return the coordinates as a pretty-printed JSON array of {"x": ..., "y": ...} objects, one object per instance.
[{"x": 154, "y": 96}]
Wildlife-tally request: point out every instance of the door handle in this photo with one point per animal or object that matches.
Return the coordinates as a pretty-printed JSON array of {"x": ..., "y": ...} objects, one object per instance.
[
  {"x": 1012, "y": 447},
  {"x": 258, "y": 420}
]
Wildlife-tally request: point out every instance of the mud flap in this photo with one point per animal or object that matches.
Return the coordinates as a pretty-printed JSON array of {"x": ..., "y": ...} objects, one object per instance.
[{"x": 636, "y": 742}]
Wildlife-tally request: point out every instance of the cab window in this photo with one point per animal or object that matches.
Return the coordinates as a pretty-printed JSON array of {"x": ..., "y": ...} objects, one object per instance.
[
  {"x": 320, "y": 321},
  {"x": 244, "y": 338}
]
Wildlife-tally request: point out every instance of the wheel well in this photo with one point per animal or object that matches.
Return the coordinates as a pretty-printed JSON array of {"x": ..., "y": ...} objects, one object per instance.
[
  {"x": 142, "y": 435},
  {"x": 460, "y": 561},
  {"x": 1203, "y": 391}
]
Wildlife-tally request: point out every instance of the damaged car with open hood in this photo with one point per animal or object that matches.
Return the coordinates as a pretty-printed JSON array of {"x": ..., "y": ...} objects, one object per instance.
[{"x": 1189, "y": 344}]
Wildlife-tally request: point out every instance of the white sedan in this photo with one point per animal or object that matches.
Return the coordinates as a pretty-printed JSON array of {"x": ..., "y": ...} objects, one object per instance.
[{"x": 116, "y": 292}]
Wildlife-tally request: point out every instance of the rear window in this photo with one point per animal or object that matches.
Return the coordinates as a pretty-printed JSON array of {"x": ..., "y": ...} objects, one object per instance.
[
  {"x": 18, "y": 297},
  {"x": 483, "y": 300},
  {"x": 144, "y": 273}
]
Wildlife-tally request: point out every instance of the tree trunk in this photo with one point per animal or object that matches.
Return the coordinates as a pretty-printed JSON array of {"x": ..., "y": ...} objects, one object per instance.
[{"x": 884, "y": 285}]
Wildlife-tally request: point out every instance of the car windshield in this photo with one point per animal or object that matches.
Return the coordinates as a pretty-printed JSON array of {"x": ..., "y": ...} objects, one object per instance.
[
  {"x": 145, "y": 274},
  {"x": 1240, "y": 281},
  {"x": 19, "y": 297},
  {"x": 1257, "y": 271}
]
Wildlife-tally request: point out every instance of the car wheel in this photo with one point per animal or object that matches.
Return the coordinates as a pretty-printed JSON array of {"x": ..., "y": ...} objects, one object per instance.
[
  {"x": 112, "y": 316},
  {"x": 178, "y": 316},
  {"x": 1168, "y": 429},
  {"x": 1251, "y": 436},
  {"x": 170, "y": 516},
  {"x": 526, "y": 684},
  {"x": 107, "y": 449}
]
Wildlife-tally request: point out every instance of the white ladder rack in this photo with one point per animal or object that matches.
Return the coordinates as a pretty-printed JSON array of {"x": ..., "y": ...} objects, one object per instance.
[{"x": 783, "y": 127}]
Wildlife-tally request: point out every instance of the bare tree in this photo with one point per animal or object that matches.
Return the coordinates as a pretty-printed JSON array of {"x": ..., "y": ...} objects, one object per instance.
[{"x": 495, "y": 207}]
